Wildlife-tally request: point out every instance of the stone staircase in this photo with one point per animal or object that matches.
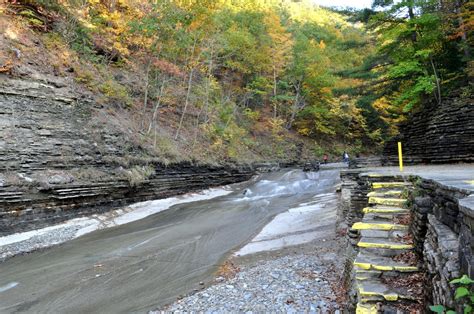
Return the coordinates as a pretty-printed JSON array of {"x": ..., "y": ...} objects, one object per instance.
[{"x": 381, "y": 269}]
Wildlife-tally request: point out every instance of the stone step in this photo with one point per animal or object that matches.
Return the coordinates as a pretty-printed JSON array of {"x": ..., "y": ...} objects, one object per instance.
[
  {"x": 361, "y": 274},
  {"x": 379, "y": 177},
  {"x": 394, "y": 235},
  {"x": 386, "y": 185},
  {"x": 374, "y": 290},
  {"x": 387, "y": 201},
  {"x": 366, "y": 308},
  {"x": 378, "y": 243},
  {"x": 371, "y": 262},
  {"x": 378, "y": 225},
  {"x": 387, "y": 217},
  {"x": 384, "y": 209},
  {"x": 388, "y": 193}
]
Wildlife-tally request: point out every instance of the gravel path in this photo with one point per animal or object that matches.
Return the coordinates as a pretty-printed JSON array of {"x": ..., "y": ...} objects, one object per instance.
[{"x": 301, "y": 282}]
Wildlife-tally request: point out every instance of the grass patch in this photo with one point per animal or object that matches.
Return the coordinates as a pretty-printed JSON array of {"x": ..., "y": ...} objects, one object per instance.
[{"x": 138, "y": 175}]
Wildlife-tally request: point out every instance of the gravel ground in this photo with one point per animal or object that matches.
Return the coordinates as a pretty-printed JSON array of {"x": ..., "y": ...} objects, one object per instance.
[
  {"x": 44, "y": 240},
  {"x": 300, "y": 282}
]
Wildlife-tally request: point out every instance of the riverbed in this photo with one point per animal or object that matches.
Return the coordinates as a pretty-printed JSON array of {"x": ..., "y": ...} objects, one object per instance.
[{"x": 146, "y": 264}]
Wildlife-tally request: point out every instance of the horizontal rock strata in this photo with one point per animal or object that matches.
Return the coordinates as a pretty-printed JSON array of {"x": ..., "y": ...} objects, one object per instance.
[
  {"x": 62, "y": 157},
  {"x": 438, "y": 134}
]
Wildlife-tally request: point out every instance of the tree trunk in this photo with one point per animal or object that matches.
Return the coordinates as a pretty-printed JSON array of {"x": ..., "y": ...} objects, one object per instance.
[
  {"x": 438, "y": 85},
  {"x": 295, "y": 106},
  {"x": 145, "y": 100},
  {"x": 206, "y": 99},
  {"x": 157, "y": 106},
  {"x": 188, "y": 93},
  {"x": 186, "y": 102},
  {"x": 458, "y": 11},
  {"x": 274, "y": 92},
  {"x": 411, "y": 14}
]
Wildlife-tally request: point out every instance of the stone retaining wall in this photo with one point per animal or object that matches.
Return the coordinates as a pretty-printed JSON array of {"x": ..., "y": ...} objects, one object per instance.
[
  {"x": 443, "y": 234},
  {"x": 466, "y": 235},
  {"x": 440, "y": 253},
  {"x": 353, "y": 195},
  {"x": 442, "y": 227}
]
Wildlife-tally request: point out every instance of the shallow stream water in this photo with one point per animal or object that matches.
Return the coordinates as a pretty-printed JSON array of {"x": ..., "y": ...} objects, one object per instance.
[{"x": 146, "y": 264}]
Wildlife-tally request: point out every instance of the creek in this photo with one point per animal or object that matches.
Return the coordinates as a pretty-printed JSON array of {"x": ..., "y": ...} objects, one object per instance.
[{"x": 148, "y": 263}]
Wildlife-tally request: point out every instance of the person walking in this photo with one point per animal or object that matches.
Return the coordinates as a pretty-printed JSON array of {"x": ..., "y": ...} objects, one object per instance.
[
  {"x": 345, "y": 157},
  {"x": 325, "y": 158}
]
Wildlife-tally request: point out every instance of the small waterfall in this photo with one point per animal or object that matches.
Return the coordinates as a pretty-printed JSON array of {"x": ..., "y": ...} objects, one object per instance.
[{"x": 288, "y": 183}]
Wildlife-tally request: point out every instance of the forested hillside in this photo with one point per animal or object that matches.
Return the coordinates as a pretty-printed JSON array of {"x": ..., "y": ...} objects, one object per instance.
[
  {"x": 246, "y": 80},
  {"x": 240, "y": 80},
  {"x": 423, "y": 56}
]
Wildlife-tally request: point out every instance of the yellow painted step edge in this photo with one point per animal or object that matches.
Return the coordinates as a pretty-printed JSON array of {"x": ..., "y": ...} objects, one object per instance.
[
  {"x": 380, "y": 185},
  {"x": 387, "y": 201},
  {"x": 378, "y": 226},
  {"x": 384, "y": 210},
  {"x": 386, "y": 193},
  {"x": 368, "y": 266},
  {"x": 388, "y": 296},
  {"x": 375, "y": 175},
  {"x": 384, "y": 245},
  {"x": 361, "y": 278},
  {"x": 365, "y": 308}
]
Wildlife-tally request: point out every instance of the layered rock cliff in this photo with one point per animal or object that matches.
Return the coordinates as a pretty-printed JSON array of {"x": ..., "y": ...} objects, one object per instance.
[
  {"x": 441, "y": 133},
  {"x": 62, "y": 157}
]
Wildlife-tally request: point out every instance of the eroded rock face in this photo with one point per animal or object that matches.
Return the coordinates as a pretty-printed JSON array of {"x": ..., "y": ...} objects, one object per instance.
[
  {"x": 62, "y": 157},
  {"x": 438, "y": 134}
]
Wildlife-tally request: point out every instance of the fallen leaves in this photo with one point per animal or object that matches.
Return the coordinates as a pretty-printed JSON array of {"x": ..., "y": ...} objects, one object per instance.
[
  {"x": 6, "y": 67},
  {"x": 406, "y": 239},
  {"x": 413, "y": 284},
  {"x": 403, "y": 219},
  {"x": 228, "y": 270},
  {"x": 409, "y": 258}
]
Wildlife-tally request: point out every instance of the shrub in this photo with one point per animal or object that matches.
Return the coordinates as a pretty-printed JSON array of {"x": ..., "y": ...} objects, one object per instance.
[
  {"x": 463, "y": 295},
  {"x": 138, "y": 175},
  {"x": 115, "y": 92}
]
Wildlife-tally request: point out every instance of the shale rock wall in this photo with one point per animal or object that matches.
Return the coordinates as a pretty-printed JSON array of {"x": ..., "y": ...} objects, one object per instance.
[
  {"x": 438, "y": 134},
  {"x": 63, "y": 157}
]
